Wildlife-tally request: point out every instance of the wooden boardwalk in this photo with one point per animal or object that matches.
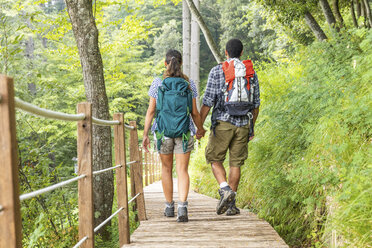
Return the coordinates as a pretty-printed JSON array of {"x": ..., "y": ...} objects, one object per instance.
[{"x": 204, "y": 229}]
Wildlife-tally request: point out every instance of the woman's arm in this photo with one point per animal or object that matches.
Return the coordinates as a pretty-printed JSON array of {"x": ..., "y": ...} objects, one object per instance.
[
  {"x": 197, "y": 120},
  {"x": 149, "y": 116}
]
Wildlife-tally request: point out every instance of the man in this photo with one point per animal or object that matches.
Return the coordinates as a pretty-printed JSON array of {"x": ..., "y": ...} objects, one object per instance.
[{"x": 230, "y": 132}]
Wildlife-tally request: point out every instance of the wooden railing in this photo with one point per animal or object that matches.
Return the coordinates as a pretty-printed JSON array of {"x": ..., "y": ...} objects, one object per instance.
[{"x": 142, "y": 170}]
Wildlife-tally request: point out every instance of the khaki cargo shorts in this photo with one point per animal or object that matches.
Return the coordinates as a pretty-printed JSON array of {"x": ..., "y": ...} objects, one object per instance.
[
  {"x": 228, "y": 137},
  {"x": 174, "y": 145}
]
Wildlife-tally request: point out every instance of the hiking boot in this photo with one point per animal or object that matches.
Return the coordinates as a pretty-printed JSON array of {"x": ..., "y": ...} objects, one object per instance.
[
  {"x": 169, "y": 209},
  {"x": 182, "y": 212},
  {"x": 227, "y": 197},
  {"x": 232, "y": 210}
]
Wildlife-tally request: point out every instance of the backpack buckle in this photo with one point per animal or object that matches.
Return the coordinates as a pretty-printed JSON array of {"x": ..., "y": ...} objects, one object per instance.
[{"x": 250, "y": 115}]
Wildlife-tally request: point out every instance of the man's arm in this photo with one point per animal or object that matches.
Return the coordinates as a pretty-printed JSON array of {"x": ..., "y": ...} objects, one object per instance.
[
  {"x": 255, "y": 115},
  {"x": 256, "y": 100},
  {"x": 204, "y": 111},
  {"x": 210, "y": 94}
]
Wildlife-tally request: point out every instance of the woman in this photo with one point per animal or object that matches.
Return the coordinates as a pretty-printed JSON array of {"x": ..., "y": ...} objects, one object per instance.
[{"x": 170, "y": 146}]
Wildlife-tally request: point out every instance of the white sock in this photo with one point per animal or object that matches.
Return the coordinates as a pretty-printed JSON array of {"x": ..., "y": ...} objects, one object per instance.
[
  {"x": 183, "y": 204},
  {"x": 223, "y": 184}
]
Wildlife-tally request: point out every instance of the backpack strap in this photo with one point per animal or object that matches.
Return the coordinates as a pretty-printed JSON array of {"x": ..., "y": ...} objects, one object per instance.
[
  {"x": 185, "y": 140},
  {"x": 159, "y": 137},
  {"x": 251, "y": 128},
  {"x": 249, "y": 72}
]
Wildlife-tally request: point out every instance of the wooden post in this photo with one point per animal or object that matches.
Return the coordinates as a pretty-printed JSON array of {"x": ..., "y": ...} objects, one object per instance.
[
  {"x": 85, "y": 185},
  {"x": 131, "y": 173},
  {"x": 121, "y": 180},
  {"x": 10, "y": 214},
  {"x": 141, "y": 164},
  {"x": 138, "y": 184},
  {"x": 150, "y": 168},
  {"x": 154, "y": 166},
  {"x": 146, "y": 169}
]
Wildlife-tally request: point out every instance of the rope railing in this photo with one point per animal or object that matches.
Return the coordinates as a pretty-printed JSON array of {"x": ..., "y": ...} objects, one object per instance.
[
  {"x": 48, "y": 189},
  {"x": 113, "y": 215},
  {"x": 134, "y": 197},
  {"x": 104, "y": 122},
  {"x": 107, "y": 169},
  {"x": 46, "y": 113},
  {"x": 132, "y": 162},
  {"x": 107, "y": 220},
  {"x": 80, "y": 242},
  {"x": 129, "y": 127},
  {"x": 144, "y": 170}
]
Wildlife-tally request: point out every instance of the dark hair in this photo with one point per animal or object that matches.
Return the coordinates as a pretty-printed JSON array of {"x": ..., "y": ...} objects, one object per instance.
[
  {"x": 234, "y": 48},
  {"x": 174, "y": 62}
]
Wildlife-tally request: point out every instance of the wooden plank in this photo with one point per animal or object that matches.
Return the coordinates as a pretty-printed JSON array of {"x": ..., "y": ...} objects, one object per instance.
[
  {"x": 141, "y": 164},
  {"x": 132, "y": 147},
  {"x": 146, "y": 169},
  {"x": 153, "y": 166},
  {"x": 204, "y": 229},
  {"x": 85, "y": 185},
  {"x": 10, "y": 215},
  {"x": 150, "y": 168},
  {"x": 138, "y": 184},
  {"x": 121, "y": 180}
]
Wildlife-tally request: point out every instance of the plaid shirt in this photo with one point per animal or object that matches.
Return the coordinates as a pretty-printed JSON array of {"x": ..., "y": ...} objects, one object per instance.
[
  {"x": 215, "y": 84},
  {"x": 153, "y": 92}
]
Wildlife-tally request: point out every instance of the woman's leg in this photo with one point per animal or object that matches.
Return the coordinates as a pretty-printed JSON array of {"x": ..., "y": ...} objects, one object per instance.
[
  {"x": 166, "y": 176},
  {"x": 182, "y": 164}
]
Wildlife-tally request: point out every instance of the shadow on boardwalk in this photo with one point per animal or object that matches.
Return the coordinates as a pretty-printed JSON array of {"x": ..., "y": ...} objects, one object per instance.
[{"x": 204, "y": 229}]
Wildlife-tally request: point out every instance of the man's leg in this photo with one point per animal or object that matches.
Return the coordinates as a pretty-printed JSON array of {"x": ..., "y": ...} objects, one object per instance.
[
  {"x": 219, "y": 172},
  {"x": 234, "y": 178},
  {"x": 215, "y": 154},
  {"x": 238, "y": 152}
]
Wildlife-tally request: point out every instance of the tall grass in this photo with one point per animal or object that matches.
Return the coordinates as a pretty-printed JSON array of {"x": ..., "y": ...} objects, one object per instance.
[{"x": 310, "y": 164}]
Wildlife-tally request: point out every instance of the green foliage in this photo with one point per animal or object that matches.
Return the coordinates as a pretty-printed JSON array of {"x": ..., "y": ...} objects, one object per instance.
[
  {"x": 38, "y": 49},
  {"x": 310, "y": 163},
  {"x": 309, "y": 167}
]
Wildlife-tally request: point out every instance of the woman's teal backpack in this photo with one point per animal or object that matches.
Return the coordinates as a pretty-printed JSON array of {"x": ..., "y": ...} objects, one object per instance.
[{"x": 173, "y": 108}]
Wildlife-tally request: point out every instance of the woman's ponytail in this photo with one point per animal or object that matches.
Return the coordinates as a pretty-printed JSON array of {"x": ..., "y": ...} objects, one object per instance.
[{"x": 173, "y": 58}]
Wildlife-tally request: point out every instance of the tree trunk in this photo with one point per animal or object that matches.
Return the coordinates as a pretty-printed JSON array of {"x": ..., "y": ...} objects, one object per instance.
[
  {"x": 314, "y": 26},
  {"x": 367, "y": 9},
  {"x": 358, "y": 8},
  {"x": 364, "y": 13},
  {"x": 352, "y": 10},
  {"x": 195, "y": 54},
  {"x": 186, "y": 38},
  {"x": 207, "y": 34},
  {"x": 327, "y": 11},
  {"x": 86, "y": 36},
  {"x": 336, "y": 9}
]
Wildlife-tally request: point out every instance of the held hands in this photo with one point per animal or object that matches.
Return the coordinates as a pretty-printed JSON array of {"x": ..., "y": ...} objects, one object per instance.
[
  {"x": 200, "y": 133},
  {"x": 146, "y": 143}
]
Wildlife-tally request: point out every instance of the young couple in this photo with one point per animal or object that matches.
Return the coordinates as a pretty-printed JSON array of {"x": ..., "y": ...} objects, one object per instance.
[{"x": 233, "y": 92}]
